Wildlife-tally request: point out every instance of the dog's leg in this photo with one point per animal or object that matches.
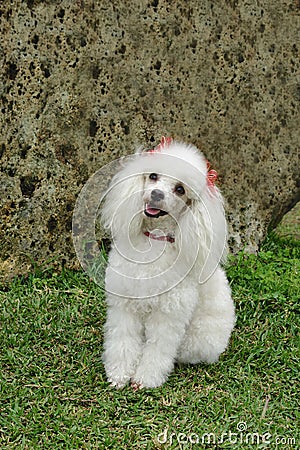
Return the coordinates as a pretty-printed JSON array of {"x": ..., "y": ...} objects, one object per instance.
[
  {"x": 206, "y": 339},
  {"x": 163, "y": 333},
  {"x": 213, "y": 320},
  {"x": 123, "y": 333}
]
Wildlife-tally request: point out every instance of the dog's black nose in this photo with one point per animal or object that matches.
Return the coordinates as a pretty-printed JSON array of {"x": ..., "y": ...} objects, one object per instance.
[{"x": 157, "y": 195}]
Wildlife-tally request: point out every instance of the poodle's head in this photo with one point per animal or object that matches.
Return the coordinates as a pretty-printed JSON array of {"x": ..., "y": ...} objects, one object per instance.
[{"x": 169, "y": 190}]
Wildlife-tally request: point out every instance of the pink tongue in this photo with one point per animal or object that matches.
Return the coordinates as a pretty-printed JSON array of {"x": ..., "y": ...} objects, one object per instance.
[{"x": 152, "y": 211}]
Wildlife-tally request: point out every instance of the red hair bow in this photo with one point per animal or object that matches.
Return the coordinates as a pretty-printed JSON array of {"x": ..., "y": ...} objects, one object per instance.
[
  {"x": 164, "y": 142},
  {"x": 211, "y": 176}
]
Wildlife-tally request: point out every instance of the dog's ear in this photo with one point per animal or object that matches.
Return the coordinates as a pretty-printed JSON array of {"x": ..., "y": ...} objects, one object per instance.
[
  {"x": 202, "y": 233},
  {"x": 122, "y": 207}
]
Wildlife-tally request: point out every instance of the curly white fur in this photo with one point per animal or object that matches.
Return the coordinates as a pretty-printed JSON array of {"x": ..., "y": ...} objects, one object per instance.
[{"x": 168, "y": 297}]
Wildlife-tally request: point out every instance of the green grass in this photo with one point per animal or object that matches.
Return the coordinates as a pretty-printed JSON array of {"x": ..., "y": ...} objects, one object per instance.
[
  {"x": 54, "y": 394},
  {"x": 290, "y": 224}
]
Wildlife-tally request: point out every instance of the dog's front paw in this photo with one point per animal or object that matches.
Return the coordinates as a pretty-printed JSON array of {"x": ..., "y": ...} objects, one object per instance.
[
  {"x": 117, "y": 377},
  {"x": 144, "y": 380},
  {"x": 150, "y": 374},
  {"x": 136, "y": 386},
  {"x": 119, "y": 370},
  {"x": 116, "y": 384}
]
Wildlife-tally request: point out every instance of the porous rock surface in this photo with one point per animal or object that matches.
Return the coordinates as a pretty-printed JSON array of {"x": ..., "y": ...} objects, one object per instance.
[{"x": 86, "y": 81}]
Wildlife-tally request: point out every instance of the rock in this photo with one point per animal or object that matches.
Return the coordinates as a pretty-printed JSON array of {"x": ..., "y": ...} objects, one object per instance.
[{"x": 85, "y": 82}]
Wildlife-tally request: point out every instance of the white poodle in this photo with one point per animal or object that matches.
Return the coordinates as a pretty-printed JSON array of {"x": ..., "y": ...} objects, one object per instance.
[{"x": 168, "y": 298}]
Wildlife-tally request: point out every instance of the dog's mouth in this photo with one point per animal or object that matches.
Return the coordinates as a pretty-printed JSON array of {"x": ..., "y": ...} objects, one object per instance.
[{"x": 150, "y": 211}]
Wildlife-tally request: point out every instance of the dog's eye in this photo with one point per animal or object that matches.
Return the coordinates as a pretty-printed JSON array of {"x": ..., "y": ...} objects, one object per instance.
[
  {"x": 179, "y": 190},
  {"x": 153, "y": 176}
]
